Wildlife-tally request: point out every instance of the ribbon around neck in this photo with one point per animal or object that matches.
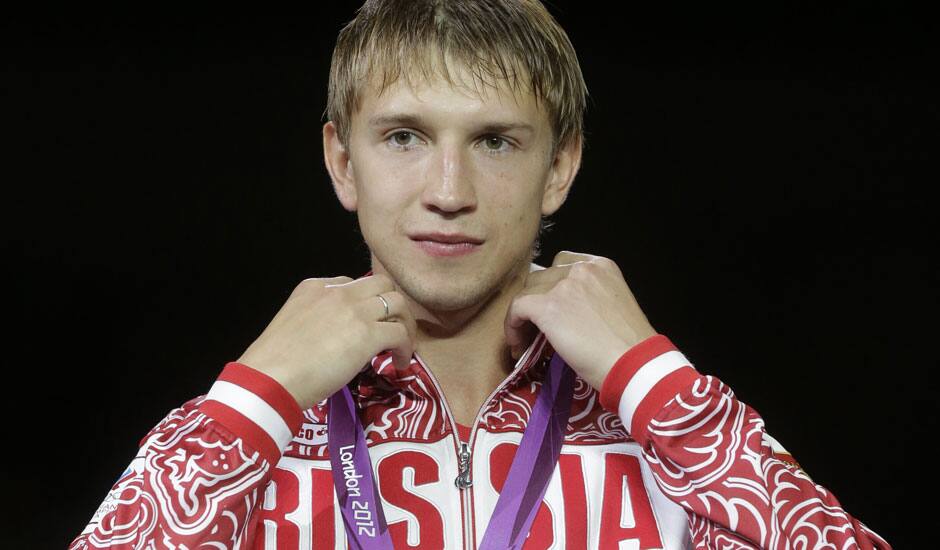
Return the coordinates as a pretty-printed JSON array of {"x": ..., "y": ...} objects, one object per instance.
[{"x": 522, "y": 492}]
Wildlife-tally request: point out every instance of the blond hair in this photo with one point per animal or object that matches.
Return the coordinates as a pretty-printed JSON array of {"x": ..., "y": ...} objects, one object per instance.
[{"x": 513, "y": 41}]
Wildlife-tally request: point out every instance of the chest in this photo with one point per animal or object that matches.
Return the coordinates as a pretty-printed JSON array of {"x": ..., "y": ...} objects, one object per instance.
[{"x": 601, "y": 495}]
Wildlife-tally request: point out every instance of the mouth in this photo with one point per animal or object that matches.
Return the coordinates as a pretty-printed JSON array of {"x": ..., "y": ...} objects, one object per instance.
[{"x": 446, "y": 244}]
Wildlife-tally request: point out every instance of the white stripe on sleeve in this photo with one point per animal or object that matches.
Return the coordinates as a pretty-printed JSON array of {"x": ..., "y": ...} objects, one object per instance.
[
  {"x": 256, "y": 409},
  {"x": 645, "y": 379}
]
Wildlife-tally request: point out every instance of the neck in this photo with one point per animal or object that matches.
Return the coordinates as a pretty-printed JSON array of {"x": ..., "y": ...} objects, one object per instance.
[{"x": 466, "y": 349}]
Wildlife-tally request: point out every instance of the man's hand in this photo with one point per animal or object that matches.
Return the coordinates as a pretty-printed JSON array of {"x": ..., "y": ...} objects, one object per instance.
[
  {"x": 586, "y": 310},
  {"x": 327, "y": 330}
]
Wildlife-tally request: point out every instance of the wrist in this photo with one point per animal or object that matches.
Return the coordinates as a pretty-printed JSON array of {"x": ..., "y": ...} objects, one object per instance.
[
  {"x": 625, "y": 365},
  {"x": 302, "y": 393},
  {"x": 618, "y": 350}
]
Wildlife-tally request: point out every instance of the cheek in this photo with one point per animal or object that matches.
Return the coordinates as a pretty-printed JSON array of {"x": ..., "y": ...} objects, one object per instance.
[
  {"x": 382, "y": 198},
  {"x": 519, "y": 216},
  {"x": 377, "y": 215},
  {"x": 516, "y": 198}
]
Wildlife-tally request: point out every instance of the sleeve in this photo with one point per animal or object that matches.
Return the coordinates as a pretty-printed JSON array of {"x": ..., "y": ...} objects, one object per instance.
[
  {"x": 199, "y": 473},
  {"x": 710, "y": 454}
]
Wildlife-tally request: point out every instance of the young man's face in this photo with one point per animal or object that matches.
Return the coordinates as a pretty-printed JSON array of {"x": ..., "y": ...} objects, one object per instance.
[{"x": 450, "y": 187}]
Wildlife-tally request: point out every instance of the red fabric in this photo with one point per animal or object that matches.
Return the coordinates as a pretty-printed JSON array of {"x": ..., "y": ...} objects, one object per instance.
[
  {"x": 627, "y": 365},
  {"x": 657, "y": 398},
  {"x": 626, "y": 368},
  {"x": 703, "y": 477},
  {"x": 237, "y": 423},
  {"x": 268, "y": 389},
  {"x": 463, "y": 432}
]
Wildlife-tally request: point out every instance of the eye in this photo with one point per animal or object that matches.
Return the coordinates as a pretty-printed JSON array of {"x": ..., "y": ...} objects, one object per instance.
[
  {"x": 401, "y": 139},
  {"x": 496, "y": 144}
]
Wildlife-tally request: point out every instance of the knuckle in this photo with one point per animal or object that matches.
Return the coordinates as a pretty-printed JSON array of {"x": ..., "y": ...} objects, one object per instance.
[
  {"x": 566, "y": 285},
  {"x": 307, "y": 286},
  {"x": 560, "y": 256},
  {"x": 382, "y": 278},
  {"x": 605, "y": 264},
  {"x": 580, "y": 269},
  {"x": 394, "y": 298},
  {"x": 321, "y": 282},
  {"x": 590, "y": 269},
  {"x": 604, "y": 261}
]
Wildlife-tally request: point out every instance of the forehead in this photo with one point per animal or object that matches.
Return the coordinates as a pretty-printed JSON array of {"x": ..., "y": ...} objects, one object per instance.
[{"x": 460, "y": 94}]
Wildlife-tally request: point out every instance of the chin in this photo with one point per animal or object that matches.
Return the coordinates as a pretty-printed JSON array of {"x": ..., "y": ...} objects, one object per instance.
[
  {"x": 450, "y": 290},
  {"x": 446, "y": 294}
]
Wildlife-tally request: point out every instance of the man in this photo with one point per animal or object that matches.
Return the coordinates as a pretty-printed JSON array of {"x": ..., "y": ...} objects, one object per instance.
[{"x": 455, "y": 128}]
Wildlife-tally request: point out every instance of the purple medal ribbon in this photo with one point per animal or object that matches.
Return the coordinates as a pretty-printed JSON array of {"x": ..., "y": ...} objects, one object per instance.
[
  {"x": 522, "y": 493},
  {"x": 352, "y": 476},
  {"x": 535, "y": 460}
]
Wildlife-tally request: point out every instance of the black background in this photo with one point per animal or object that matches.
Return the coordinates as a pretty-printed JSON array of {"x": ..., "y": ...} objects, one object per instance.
[{"x": 762, "y": 176}]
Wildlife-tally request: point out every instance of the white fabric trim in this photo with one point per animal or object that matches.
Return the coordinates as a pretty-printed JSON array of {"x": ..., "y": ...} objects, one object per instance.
[
  {"x": 256, "y": 409},
  {"x": 645, "y": 379}
]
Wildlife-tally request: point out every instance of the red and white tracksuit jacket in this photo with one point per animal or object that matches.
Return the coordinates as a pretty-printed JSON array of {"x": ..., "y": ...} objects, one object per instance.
[{"x": 662, "y": 457}]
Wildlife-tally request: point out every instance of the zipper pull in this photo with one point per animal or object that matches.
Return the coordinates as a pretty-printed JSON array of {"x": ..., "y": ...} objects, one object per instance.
[{"x": 463, "y": 480}]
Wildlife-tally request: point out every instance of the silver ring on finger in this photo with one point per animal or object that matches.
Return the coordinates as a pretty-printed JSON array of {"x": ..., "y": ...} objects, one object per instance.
[{"x": 384, "y": 303}]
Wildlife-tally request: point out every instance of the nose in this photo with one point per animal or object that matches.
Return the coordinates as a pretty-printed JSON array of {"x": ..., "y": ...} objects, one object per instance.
[{"x": 449, "y": 188}]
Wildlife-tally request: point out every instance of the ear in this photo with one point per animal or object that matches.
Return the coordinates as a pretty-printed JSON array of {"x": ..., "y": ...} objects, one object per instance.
[
  {"x": 564, "y": 168},
  {"x": 340, "y": 167}
]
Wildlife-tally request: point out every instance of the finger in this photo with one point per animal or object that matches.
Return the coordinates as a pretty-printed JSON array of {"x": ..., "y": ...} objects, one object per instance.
[
  {"x": 373, "y": 285},
  {"x": 398, "y": 311},
  {"x": 519, "y": 325},
  {"x": 311, "y": 286},
  {"x": 394, "y": 337},
  {"x": 566, "y": 257},
  {"x": 372, "y": 307},
  {"x": 403, "y": 314},
  {"x": 319, "y": 282},
  {"x": 547, "y": 277}
]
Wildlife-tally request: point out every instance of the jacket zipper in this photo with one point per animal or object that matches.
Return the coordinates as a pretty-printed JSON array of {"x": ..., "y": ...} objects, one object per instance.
[
  {"x": 464, "y": 500},
  {"x": 464, "y": 479}
]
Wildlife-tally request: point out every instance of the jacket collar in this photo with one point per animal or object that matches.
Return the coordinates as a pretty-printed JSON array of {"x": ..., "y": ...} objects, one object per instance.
[{"x": 382, "y": 367}]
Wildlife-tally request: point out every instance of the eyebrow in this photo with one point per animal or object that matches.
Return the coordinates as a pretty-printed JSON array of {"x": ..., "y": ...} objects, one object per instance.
[{"x": 406, "y": 119}]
